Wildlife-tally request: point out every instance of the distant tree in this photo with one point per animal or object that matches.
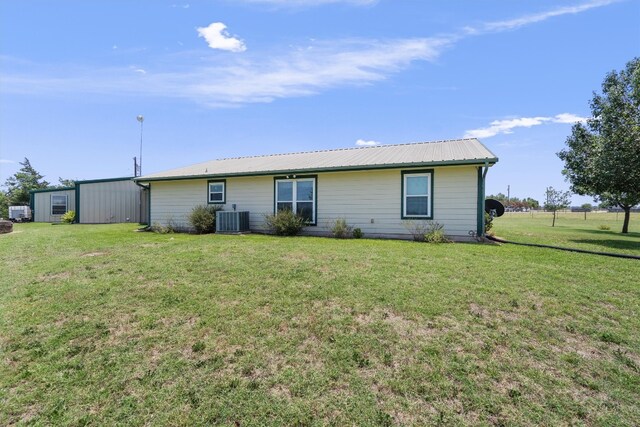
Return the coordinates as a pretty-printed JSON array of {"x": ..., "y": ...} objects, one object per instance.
[
  {"x": 64, "y": 183},
  {"x": 4, "y": 205},
  {"x": 556, "y": 200},
  {"x": 532, "y": 203},
  {"x": 19, "y": 185},
  {"x": 602, "y": 159},
  {"x": 587, "y": 207}
]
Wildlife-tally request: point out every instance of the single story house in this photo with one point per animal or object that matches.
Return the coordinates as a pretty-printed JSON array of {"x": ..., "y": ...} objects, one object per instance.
[
  {"x": 378, "y": 189},
  {"x": 98, "y": 201}
]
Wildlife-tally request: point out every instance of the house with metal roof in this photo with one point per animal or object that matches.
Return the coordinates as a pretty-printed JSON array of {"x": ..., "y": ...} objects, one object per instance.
[{"x": 377, "y": 189}]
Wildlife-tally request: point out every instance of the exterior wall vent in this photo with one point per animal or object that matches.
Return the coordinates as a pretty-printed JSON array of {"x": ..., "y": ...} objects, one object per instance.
[{"x": 232, "y": 221}]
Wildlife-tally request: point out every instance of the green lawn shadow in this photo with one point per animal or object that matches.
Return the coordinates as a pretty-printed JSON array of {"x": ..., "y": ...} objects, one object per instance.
[{"x": 609, "y": 243}]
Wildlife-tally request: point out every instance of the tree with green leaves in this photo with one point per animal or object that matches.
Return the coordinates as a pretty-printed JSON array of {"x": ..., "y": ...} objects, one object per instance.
[
  {"x": 556, "y": 200},
  {"x": 602, "y": 158},
  {"x": 66, "y": 183},
  {"x": 4, "y": 205},
  {"x": 23, "y": 181}
]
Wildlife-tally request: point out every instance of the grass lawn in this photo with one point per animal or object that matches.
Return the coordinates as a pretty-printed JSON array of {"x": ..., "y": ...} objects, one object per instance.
[
  {"x": 572, "y": 230},
  {"x": 103, "y": 325}
]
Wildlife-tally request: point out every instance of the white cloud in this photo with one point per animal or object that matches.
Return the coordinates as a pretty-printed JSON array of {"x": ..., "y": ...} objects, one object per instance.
[
  {"x": 300, "y": 3},
  {"x": 6, "y": 161},
  {"x": 364, "y": 143},
  {"x": 218, "y": 38},
  {"x": 512, "y": 24},
  {"x": 266, "y": 76},
  {"x": 140, "y": 71},
  {"x": 497, "y": 127},
  {"x": 569, "y": 118}
]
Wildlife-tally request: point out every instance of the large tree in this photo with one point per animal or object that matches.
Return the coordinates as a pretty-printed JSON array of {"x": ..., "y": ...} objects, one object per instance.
[
  {"x": 19, "y": 185},
  {"x": 602, "y": 158}
]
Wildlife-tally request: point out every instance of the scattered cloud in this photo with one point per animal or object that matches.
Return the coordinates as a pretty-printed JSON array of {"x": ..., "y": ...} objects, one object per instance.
[
  {"x": 513, "y": 24},
  {"x": 302, "y": 3},
  {"x": 217, "y": 37},
  {"x": 364, "y": 143},
  {"x": 6, "y": 161},
  {"x": 140, "y": 71},
  {"x": 269, "y": 75},
  {"x": 182, "y": 6},
  {"x": 498, "y": 127}
]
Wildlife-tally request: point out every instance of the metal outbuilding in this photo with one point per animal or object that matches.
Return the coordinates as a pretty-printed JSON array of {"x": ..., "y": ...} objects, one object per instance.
[{"x": 99, "y": 201}]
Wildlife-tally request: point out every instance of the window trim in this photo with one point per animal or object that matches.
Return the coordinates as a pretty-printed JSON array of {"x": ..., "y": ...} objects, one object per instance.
[
  {"x": 224, "y": 191},
  {"x": 403, "y": 200},
  {"x": 293, "y": 178},
  {"x": 66, "y": 204}
]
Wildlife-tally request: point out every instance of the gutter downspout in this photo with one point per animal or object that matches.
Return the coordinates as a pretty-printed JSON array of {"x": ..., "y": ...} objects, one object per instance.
[
  {"x": 148, "y": 188},
  {"x": 482, "y": 175}
]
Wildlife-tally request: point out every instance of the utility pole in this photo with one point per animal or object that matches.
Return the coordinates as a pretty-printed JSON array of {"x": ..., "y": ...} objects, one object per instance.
[
  {"x": 508, "y": 193},
  {"x": 140, "y": 118}
]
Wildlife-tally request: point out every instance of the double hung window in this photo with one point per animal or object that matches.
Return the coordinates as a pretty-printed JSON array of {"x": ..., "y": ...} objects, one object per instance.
[
  {"x": 297, "y": 195},
  {"x": 58, "y": 204},
  {"x": 216, "y": 192},
  {"x": 417, "y": 200}
]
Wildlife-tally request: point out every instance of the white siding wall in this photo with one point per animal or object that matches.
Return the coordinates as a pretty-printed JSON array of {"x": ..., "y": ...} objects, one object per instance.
[
  {"x": 42, "y": 205},
  {"x": 359, "y": 197},
  {"x": 109, "y": 202}
]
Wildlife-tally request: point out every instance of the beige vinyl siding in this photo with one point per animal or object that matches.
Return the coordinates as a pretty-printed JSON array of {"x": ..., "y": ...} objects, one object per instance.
[
  {"x": 110, "y": 202},
  {"x": 42, "y": 205},
  {"x": 358, "y": 196}
]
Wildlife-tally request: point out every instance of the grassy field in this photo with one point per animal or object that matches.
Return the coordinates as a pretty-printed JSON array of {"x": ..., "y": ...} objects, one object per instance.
[
  {"x": 102, "y": 325},
  {"x": 572, "y": 230}
]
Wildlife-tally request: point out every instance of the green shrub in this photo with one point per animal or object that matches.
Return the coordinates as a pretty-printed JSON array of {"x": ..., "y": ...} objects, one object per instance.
[
  {"x": 162, "y": 229},
  {"x": 340, "y": 229},
  {"x": 417, "y": 229},
  {"x": 285, "y": 223},
  {"x": 604, "y": 227},
  {"x": 68, "y": 217},
  {"x": 488, "y": 222},
  {"x": 357, "y": 233},
  {"x": 203, "y": 218},
  {"x": 435, "y": 233}
]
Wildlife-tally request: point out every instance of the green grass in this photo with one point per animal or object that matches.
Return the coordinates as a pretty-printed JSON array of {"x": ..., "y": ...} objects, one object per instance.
[
  {"x": 572, "y": 230},
  {"x": 102, "y": 325}
]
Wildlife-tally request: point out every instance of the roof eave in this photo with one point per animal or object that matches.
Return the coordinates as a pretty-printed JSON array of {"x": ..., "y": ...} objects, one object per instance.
[{"x": 491, "y": 161}]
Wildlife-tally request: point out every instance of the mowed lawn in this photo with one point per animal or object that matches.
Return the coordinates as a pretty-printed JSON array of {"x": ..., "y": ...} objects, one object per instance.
[
  {"x": 102, "y": 325},
  {"x": 572, "y": 230}
]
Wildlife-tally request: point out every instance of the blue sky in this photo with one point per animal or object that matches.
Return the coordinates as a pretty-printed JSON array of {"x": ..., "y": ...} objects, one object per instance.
[{"x": 231, "y": 78}]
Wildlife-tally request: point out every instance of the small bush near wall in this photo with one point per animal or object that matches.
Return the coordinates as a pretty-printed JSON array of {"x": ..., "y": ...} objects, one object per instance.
[
  {"x": 435, "y": 233},
  {"x": 417, "y": 229},
  {"x": 357, "y": 233},
  {"x": 285, "y": 223},
  {"x": 68, "y": 217},
  {"x": 340, "y": 229},
  {"x": 203, "y": 218}
]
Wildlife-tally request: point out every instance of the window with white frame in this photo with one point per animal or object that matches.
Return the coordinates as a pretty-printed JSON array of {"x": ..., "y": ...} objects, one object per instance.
[
  {"x": 297, "y": 195},
  {"x": 417, "y": 200},
  {"x": 58, "y": 204},
  {"x": 216, "y": 192}
]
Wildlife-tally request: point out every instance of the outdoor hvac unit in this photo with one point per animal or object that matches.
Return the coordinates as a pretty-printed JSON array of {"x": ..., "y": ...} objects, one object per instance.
[{"x": 232, "y": 222}]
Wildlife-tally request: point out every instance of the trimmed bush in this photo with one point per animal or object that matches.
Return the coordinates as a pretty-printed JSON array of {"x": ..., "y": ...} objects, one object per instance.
[
  {"x": 285, "y": 223},
  {"x": 68, "y": 217},
  {"x": 203, "y": 218},
  {"x": 357, "y": 233},
  {"x": 340, "y": 229}
]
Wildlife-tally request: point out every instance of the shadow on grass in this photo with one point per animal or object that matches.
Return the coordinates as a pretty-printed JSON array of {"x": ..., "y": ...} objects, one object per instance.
[
  {"x": 614, "y": 233},
  {"x": 609, "y": 243}
]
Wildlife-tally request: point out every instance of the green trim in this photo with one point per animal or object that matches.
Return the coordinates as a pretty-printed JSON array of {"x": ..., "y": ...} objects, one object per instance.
[
  {"x": 224, "y": 191},
  {"x": 93, "y": 181},
  {"x": 49, "y": 190},
  {"x": 77, "y": 220},
  {"x": 480, "y": 210},
  {"x": 315, "y": 194},
  {"x": 473, "y": 162},
  {"x": 411, "y": 172}
]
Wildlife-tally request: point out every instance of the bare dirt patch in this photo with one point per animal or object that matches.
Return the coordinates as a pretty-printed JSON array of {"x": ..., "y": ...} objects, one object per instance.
[{"x": 55, "y": 276}]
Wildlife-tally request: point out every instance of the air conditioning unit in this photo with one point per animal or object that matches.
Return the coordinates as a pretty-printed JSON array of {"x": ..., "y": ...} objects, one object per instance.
[{"x": 232, "y": 221}]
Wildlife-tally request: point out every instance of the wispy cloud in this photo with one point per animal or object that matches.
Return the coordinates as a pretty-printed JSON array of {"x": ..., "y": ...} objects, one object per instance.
[
  {"x": 365, "y": 143},
  {"x": 217, "y": 37},
  {"x": 302, "y": 3},
  {"x": 266, "y": 76},
  {"x": 513, "y": 24},
  {"x": 6, "y": 161},
  {"x": 497, "y": 127}
]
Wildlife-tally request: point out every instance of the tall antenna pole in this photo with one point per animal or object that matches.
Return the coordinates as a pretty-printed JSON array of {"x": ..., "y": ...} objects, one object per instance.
[{"x": 140, "y": 118}]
